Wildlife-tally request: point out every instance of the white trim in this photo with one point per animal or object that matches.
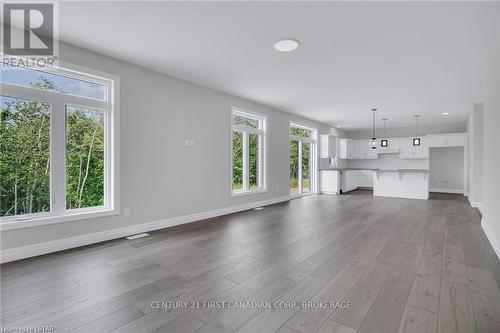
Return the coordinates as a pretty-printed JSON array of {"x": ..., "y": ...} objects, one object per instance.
[
  {"x": 77, "y": 241},
  {"x": 476, "y": 204},
  {"x": 250, "y": 130},
  {"x": 300, "y": 165},
  {"x": 446, "y": 190},
  {"x": 495, "y": 243},
  {"x": 247, "y": 113}
]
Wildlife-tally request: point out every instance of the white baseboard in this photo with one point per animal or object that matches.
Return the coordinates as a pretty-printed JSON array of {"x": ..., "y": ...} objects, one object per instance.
[
  {"x": 72, "y": 242},
  {"x": 476, "y": 204},
  {"x": 495, "y": 243},
  {"x": 446, "y": 190}
]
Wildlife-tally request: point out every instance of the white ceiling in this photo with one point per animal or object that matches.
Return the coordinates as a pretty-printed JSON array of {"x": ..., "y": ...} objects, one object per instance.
[{"x": 403, "y": 58}]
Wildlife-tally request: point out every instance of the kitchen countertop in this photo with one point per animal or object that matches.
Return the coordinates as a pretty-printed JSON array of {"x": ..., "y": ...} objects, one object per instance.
[
  {"x": 346, "y": 169},
  {"x": 405, "y": 170},
  {"x": 381, "y": 170}
]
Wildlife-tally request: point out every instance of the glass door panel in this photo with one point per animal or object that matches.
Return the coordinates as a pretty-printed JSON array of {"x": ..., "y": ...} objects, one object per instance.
[
  {"x": 306, "y": 167},
  {"x": 294, "y": 167}
]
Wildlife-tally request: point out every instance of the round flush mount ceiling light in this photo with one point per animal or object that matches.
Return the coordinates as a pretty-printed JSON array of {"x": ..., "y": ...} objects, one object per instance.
[
  {"x": 286, "y": 45},
  {"x": 445, "y": 113}
]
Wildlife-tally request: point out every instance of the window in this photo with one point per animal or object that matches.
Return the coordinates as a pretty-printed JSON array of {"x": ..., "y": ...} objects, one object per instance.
[
  {"x": 24, "y": 156},
  {"x": 51, "y": 81},
  {"x": 57, "y": 155},
  {"x": 248, "y": 151},
  {"x": 84, "y": 157},
  {"x": 302, "y": 160}
]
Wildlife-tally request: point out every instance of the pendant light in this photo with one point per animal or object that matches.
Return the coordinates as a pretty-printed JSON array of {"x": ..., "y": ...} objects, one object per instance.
[
  {"x": 416, "y": 139},
  {"x": 384, "y": 142},
  {"x": 374, "y": 139}
]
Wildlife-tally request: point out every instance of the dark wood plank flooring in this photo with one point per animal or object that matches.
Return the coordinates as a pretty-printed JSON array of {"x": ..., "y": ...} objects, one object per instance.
[{"x": 402, "y": 265}]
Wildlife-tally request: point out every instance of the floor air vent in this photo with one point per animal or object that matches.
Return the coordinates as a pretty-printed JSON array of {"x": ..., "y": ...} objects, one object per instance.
[{"x": 138, "y": 236}]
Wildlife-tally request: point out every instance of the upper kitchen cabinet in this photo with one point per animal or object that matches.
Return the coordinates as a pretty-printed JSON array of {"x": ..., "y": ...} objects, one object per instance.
[
  {"x": 356, "y": 149},
  {"x": 446, "y": 140},
  {"x": 364, "y": 150},
  {"x": 327, "y": 146},
  {"x": 346, "y": 149},
  {"x": 408, "y": 151}
]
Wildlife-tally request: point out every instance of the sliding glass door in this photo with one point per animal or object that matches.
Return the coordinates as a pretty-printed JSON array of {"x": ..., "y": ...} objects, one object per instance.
[{"x": 302, "y": 172}]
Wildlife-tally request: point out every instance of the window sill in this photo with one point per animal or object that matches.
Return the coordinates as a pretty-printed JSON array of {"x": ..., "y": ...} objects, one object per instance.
[
  {"x": 37, "y": 220},
  {"x": 240, "y": 193}
]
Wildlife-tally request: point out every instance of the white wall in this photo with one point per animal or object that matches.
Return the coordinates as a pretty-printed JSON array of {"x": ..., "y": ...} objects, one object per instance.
[
  {"x": 491, "y": 139},
  {"x": 447, "y": 169},
  {"x": 160, "y": 177},
  {"x": 475, "y": 161}
]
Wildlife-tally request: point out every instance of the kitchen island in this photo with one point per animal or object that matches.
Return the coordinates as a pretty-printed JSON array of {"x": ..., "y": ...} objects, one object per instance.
[{"x": 399, "y": 183}]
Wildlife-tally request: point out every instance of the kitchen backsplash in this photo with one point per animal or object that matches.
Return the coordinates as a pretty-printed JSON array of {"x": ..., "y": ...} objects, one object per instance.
[
  {"x": 384, "y": 161},
  {"x": 387, "y": 161}
]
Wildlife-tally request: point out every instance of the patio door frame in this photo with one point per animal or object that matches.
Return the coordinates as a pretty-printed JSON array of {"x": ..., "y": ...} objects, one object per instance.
[{"x": 313, "y": 172}]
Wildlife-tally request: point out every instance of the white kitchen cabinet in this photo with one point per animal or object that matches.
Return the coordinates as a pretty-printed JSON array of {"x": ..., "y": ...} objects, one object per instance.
[
  {"x": 346, "y": 149},
  {"x": 364, "y": 150},
  {"x": 356, "y": 149},
  {"x": 408, "y": 151},
  {"x": 334, "y": 181},
  {"x": 327, "y": 146},
  {"x": 329, "y": 181},
  {"x": 360, "y": 150},
  {"x": 365, "y": 178},
  {"x": 446, "y": 140},
  {"x": 349, "y": 180}
]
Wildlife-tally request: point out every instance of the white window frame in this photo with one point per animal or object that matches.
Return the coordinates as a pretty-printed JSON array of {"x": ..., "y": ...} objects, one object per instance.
[
  {"x": 246, "y": 131},
  {"x": 58, "y": 102},
  {"x": 313, "y": 169}
]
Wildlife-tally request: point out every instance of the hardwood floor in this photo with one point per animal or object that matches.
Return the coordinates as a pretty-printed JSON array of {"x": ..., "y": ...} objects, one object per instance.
[{"x": 402, "y": 265}]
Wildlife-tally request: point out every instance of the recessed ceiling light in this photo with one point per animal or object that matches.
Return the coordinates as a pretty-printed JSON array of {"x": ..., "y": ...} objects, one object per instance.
[
  {"x": 286, "y": 45},
  {"x": 338, "y": 126},
  {"x": 445, "y": 113}
]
